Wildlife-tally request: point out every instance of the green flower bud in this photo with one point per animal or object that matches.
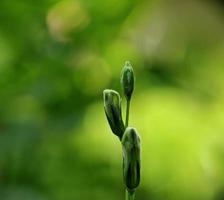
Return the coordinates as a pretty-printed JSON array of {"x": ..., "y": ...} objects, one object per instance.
[
  {"x": 112, "y": 107},
  {"x": 127, "y": 80},
  {"x": 131, "y": 158}
]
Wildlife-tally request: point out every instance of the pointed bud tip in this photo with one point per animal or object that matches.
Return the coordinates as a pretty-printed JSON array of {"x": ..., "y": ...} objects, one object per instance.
[
  {"x": 107, "y": 91},
  {"x": 110, "y": 91},
  {"x": 131, "y": 135},
  {"x": 127, "y": 63}
]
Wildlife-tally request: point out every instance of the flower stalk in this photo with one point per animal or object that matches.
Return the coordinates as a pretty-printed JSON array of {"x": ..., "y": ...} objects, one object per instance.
[
  {"x": 129, "y": 195},
  {"x": 127, "y": 113}
]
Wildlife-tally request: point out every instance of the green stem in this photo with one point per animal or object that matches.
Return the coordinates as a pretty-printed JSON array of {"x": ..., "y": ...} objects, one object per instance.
[
  {"x": 127, "y": 112},
  {"x": 129, "y": 195}
]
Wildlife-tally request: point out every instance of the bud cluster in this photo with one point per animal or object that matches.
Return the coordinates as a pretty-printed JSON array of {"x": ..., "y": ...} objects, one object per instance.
[{"x": 128, "y": 136}]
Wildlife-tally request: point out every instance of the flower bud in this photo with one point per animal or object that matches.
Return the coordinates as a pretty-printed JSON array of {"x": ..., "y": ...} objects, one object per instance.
[
  {"x": 131, "y": 158},
  {"x": 127, "y": 80},
  {"x": 112, "y": 107}
]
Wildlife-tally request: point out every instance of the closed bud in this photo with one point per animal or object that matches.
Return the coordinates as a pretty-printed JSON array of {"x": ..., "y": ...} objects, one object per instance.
[
  {"x": 112, "y": 107},
  {"x": 127, "y": 80},
  {"x": 131, "y": 158}
]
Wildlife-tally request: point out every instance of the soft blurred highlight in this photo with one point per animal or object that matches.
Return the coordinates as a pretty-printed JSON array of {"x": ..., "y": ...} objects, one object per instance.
[{"x": 56, "y": 58}]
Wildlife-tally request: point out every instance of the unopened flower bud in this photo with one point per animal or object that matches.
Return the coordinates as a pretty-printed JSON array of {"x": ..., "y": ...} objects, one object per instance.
[
  {"x": 131, "y": 158},
  {"x": 127, "y": 80},
  {"x": 112, "y": 107}
]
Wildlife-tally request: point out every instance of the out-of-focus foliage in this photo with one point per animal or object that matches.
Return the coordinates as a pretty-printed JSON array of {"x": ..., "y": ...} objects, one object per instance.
[{"x": 57, "y": 56}]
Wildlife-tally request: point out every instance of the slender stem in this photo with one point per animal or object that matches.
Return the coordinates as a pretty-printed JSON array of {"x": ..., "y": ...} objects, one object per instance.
[
  {"x": 130, "y": 195},
  {"x": 127, "y": 112}
]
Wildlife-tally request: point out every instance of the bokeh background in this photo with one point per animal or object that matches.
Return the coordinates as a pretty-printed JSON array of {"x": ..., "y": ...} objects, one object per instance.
[{"x": 57, "y": 56}]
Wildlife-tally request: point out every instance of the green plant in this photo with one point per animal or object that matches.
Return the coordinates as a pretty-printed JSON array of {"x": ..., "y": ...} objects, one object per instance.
[{"x": 128, "y": 136}]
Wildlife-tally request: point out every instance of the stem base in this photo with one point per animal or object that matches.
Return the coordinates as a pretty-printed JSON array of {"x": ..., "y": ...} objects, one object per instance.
[{"x": 130, "y": 195}]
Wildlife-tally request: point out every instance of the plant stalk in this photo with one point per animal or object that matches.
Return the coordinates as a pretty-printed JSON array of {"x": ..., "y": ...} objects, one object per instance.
[
  {"x": 130, "y": 195},
  {"x": 127, "y": 112}
]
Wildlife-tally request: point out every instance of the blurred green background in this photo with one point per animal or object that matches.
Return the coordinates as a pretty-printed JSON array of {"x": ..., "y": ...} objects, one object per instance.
[{"x": 57, "y": 56}]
